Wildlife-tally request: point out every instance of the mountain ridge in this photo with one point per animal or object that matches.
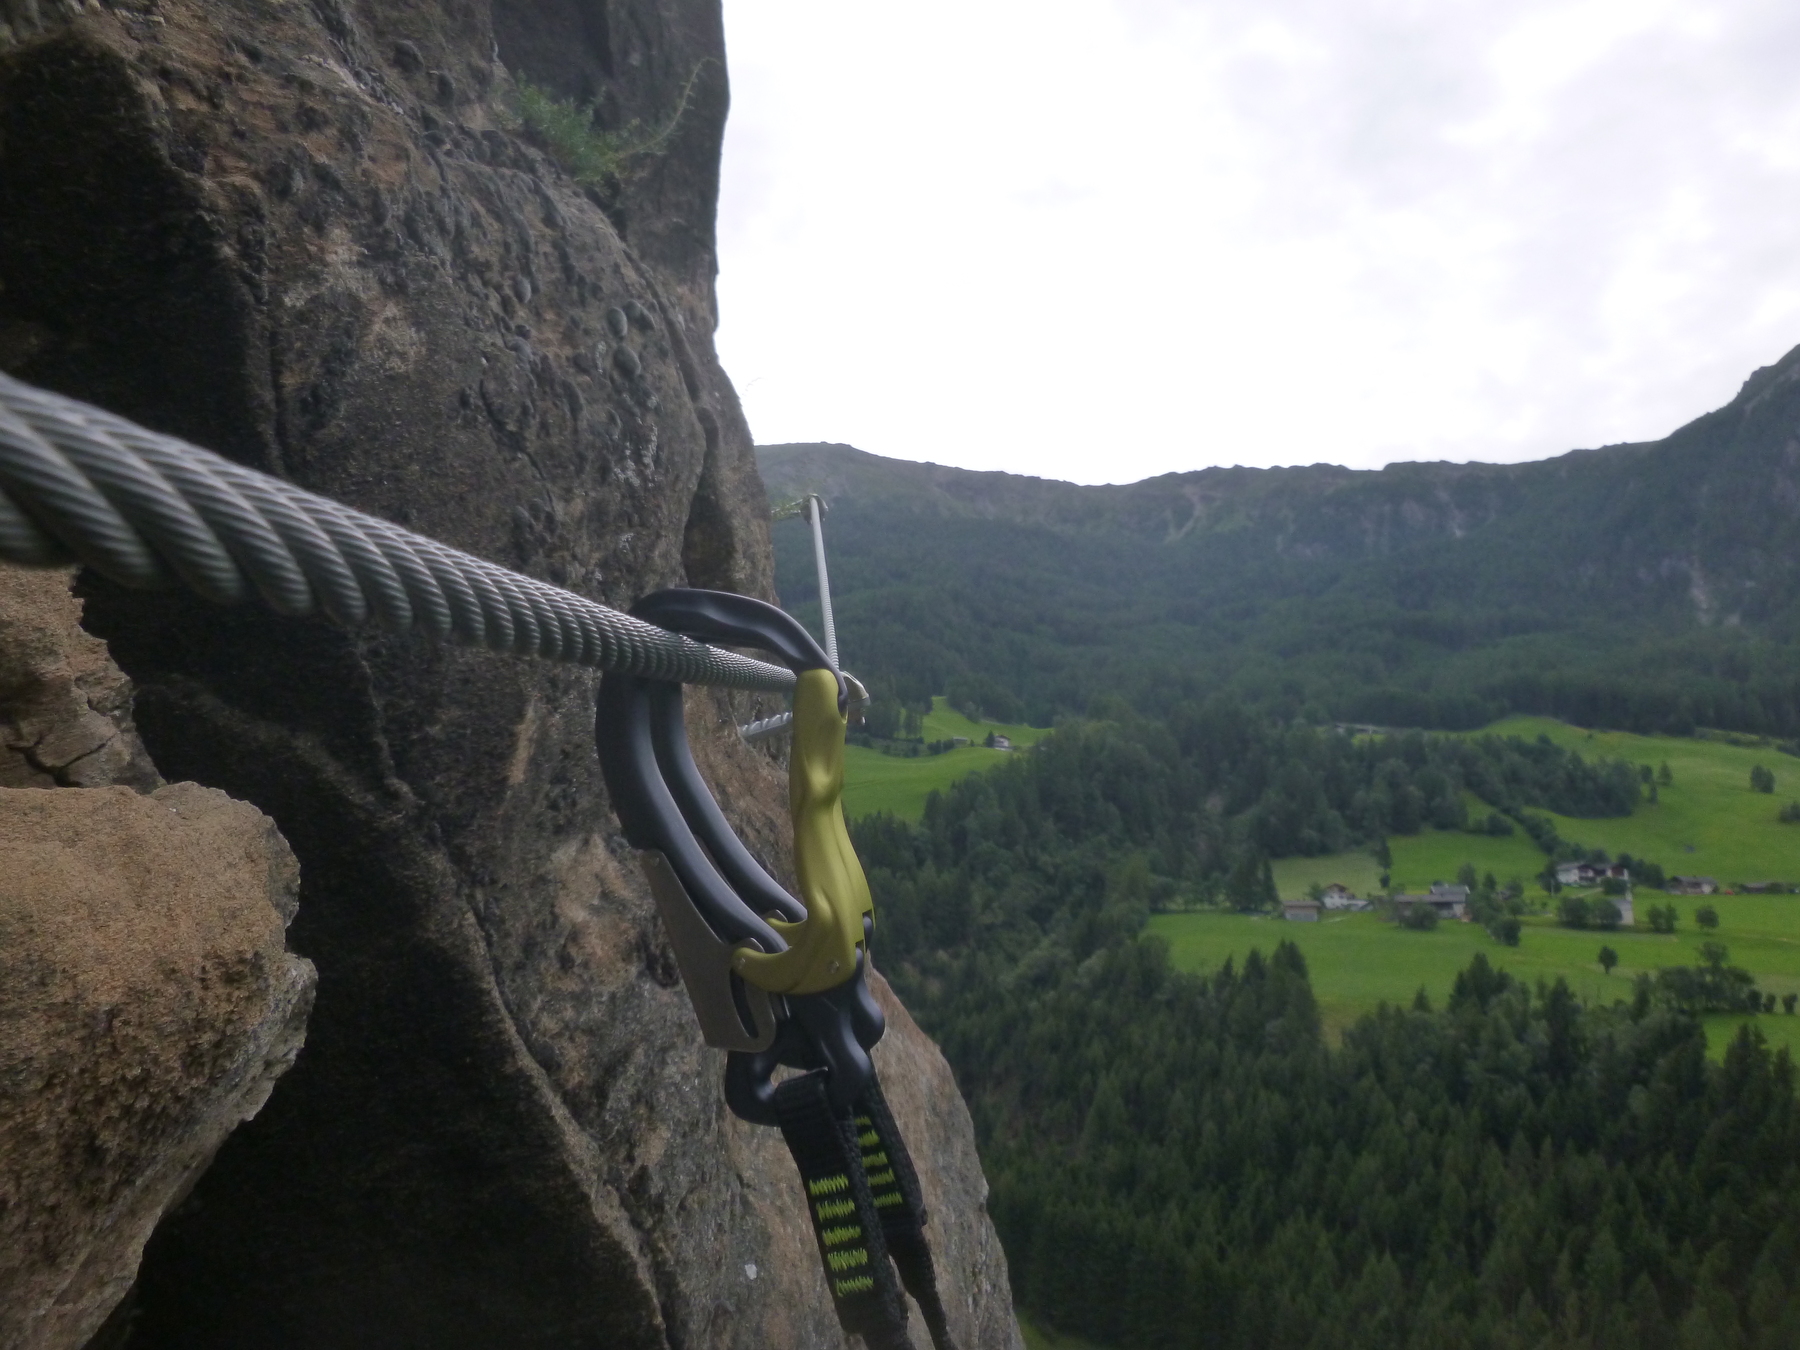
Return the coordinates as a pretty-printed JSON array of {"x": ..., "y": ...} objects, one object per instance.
[{"x": 1640, "y": 547}]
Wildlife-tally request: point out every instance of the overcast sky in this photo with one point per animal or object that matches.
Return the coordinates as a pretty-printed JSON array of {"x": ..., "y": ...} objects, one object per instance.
[{"x": 1103, "y": 239}]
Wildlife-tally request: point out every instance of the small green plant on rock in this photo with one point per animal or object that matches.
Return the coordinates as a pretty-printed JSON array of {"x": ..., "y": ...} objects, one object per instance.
[
  {"x": 589, "y": 154},
  {"x": 566, "y": 130}
]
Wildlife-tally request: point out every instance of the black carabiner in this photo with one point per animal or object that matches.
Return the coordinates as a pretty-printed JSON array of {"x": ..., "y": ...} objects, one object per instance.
[
  {"x": 809, "y": 1012},
  {"x": 669, "y": 814}
]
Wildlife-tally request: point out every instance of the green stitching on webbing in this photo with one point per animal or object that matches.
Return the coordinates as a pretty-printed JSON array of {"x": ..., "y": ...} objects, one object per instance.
[
  {"x": 868, "y": 1139},
  {"x": 874, "y": 1160},
  {"x": 857, "y": 1284},
  {"x": 831, "y": 1237},
  {"x": 849, "y": 1260},
  {"x": 826, "y": 1185},
  {"x": 887, "y": 1198},
  {"x": 882, "y": 1179},
  {"x": 834, "y": 1209}
]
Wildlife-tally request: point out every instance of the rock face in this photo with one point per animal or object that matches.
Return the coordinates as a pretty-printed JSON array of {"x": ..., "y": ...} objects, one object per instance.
[
  {"x": 313, "y": 237},
  {"x": 65, "y": 708},
  {"x": 147, "y": 998},
  {"x": 147, "y": 1005}
]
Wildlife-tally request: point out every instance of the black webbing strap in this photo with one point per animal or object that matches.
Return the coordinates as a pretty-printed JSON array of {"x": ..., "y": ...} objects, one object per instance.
[
  {"x": 895, "y": 1185},
  {"x": 846, "y": 1223},
  {"x": 868, "y": 1215}
]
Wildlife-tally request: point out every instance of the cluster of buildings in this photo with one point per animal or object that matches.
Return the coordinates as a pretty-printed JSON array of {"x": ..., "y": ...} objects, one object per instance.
[
  {"x": 1452, "y": 902},
  {"x": 1335, "y": 896}
]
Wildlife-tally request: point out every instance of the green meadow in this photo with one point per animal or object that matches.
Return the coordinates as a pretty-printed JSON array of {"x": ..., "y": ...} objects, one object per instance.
[
  {"x": 1359, "y": 961},
  {"x": 876, "y": 782},
  {"x": 1707, "y": 822},
  {"x": 1357, "y": 869},
  {"x": 1434, "y": 855}
]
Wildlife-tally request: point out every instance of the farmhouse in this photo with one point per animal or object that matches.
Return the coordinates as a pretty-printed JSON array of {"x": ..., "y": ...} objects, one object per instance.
[
  {"x": 1588, "y": 874},
  {"x": 1450, "y": 902},
  {"x": 1692, "y": 886},
  {"x": 1300, "y": 911},
  {"x": 1339, "y": 896},
  {"x": 1760, "y": 888}
]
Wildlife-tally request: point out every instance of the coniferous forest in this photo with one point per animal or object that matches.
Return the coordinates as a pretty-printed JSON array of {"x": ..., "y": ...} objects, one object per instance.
[
  {"x": 1183, "y": 1160},
  {"x": 1647, "y": 588},
  {"x": 1180, "y": 1160}
]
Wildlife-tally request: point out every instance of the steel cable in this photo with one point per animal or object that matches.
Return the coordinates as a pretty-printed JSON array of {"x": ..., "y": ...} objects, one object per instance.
[{"x": 78, "y": 484}]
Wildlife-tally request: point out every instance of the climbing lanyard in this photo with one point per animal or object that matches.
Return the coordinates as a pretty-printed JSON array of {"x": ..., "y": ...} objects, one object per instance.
[{"x": 775, "y": 981}]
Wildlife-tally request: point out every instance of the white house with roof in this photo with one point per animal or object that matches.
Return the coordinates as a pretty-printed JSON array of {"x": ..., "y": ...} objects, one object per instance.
[{"x": 1589, "y": 874}]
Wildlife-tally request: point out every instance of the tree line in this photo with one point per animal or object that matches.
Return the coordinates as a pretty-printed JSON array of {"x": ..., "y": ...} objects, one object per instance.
[
  {"x": 1184, "y": 1161},
  {"x": 1022, "y": 623},
  {"x": 1207, "y": 796}
]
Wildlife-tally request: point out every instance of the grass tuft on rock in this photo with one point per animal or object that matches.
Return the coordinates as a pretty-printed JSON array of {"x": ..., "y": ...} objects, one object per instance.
[{"x": 590, "y": 154}]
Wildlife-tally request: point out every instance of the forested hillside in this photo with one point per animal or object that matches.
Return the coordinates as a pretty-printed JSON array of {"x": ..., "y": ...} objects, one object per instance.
[
  {"x": 1183, "y": 1161},
  {"x": 1645, "y": 587}
]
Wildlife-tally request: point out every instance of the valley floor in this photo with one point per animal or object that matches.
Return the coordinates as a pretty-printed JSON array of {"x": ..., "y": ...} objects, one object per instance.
[
  {"x": 876, "y": 782},
  {"x": 1707, "y": 822},
  {"x": 1359, "y": 961}
]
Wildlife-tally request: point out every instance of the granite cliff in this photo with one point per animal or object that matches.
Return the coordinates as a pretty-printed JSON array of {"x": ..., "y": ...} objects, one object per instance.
[{"x": 316, "y": 238}]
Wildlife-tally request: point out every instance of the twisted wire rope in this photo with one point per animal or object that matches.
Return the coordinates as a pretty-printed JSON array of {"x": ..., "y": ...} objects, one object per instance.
[{"x": 78, "y": 484}]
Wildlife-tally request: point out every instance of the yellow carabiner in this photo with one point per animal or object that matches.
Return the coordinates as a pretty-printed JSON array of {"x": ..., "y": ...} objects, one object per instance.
[{"x": 822, "y": 947}]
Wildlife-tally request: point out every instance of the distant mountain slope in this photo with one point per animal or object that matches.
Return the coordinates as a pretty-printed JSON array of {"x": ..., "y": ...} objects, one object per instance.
[{"x": 1649, "y": 586}]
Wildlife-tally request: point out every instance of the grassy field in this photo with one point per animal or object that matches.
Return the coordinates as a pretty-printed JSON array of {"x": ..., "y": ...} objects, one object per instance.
[
  {"x": 877, "y": 782},
  {"x": 1434, "y": 855},
  {"x": 1358, "y": 961},
  {"x": 1357, "y": 869},
  {"x": 1707, "y": 822}
]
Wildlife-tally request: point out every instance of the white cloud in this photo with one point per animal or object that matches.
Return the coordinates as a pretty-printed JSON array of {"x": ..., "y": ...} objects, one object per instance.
[{"x": 1102, "y": 240}]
